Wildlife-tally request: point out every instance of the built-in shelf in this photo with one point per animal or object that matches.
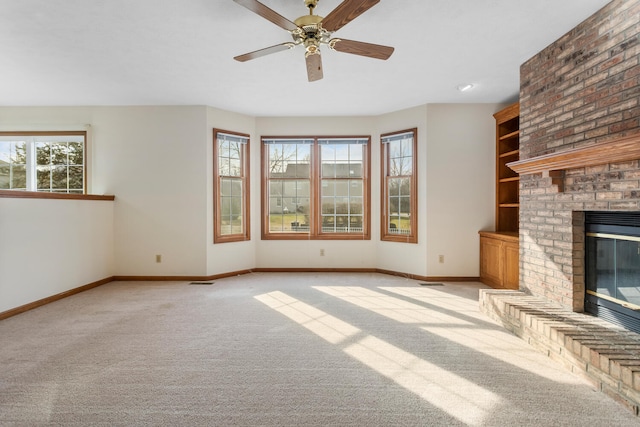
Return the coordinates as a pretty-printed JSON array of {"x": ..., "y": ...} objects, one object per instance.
[
  {"x": 499, "y": 249},
  {"x": 510, "y": 135},
  {"x": 512, "y": 179},
  {"x": 509, "y": 153},
  {"x": 19, "y": 194}
]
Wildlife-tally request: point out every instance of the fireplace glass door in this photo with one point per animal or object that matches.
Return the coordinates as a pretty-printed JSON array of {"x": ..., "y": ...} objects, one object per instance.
[{"x": 612, "y": 273}]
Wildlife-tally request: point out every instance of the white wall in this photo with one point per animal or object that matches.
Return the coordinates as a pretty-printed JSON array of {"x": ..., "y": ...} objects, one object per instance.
[
  {"x": 51, "y": 246},
  {"x": 395, "y": 256},
  {"x": 154, "y": 159},
  {"x": 460, "y": 185},
  {"x": 158, "y": 161}
]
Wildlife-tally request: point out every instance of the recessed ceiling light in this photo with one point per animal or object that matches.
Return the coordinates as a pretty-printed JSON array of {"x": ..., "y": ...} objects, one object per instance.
[{"x": 465, "y": 87}]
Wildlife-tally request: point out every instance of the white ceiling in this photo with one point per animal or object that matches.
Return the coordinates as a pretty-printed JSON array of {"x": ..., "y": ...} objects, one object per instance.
[{"x": 180, "y": 52}]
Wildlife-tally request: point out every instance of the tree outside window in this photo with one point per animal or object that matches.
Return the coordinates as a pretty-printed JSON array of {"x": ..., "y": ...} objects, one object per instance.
[{"x": 41, "y": 161}]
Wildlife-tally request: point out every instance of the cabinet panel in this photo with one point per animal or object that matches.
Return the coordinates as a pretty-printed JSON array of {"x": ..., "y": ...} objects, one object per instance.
[
  {"x": 511, "y": 265},
  {"x": 499, "y": 260},
  {"x": 490, "y": 264}
]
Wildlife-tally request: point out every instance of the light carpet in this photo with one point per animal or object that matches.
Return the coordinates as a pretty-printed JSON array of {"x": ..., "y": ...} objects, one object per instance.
[{"x": 283, "y": 349}]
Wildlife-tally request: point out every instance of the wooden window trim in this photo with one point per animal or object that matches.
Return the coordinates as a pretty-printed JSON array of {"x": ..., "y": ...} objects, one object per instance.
[
  {"x": 412, "y": 237},
  {"x": 246, "y": 196},
  {"x": 315, "y": 226}
]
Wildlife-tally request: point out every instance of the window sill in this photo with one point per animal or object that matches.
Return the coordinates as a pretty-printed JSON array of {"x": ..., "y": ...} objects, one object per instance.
[{"x": 18, "y": 194}]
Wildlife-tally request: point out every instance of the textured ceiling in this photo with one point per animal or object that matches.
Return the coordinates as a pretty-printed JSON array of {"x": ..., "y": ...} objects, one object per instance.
[{"x": 180, "y": 52}]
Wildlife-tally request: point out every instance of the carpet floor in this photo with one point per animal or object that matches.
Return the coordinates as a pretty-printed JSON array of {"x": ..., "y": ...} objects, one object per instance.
[{"x": 283, "y": 349}]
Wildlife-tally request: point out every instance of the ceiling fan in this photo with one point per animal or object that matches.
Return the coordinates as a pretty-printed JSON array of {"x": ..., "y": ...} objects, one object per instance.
[{"x": 312, "y": 31}]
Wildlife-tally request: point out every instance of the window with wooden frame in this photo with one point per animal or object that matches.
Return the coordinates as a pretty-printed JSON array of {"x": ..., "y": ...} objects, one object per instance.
[
  {"x": 231, "y": 186},
  {"x": 52, "y": 162},
  {"x": 399, "y": 218},
  {"x": 316, "y": 188}
]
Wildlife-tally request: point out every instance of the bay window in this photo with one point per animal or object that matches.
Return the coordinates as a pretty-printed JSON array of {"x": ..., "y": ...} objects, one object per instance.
[{"x": 316, "y": 188}]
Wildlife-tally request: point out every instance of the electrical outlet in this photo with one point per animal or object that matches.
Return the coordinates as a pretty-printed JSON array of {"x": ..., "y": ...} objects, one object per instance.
[
  {"x": 321, "y": 252},
  {"x": 158, "y": 258},
  {"x": 441, "y": 259}
]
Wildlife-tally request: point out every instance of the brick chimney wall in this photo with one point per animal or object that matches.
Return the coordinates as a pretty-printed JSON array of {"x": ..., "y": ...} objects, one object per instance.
[{"x": 584, "y": 89}]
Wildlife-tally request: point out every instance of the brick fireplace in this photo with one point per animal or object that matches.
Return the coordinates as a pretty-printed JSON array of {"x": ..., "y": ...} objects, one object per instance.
[
  {"x": 579, "y": 113},
  {"x": 579, "y": 151}
]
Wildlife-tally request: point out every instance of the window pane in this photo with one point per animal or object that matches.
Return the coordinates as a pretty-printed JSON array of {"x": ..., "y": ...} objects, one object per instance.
[
  {"x": 407, "y": 147},
  {"x": 342, "y": 188},
  {"x": 234, "y": 150},
  {"x": 76, "y": 153},
  {"x": 43, "y": 154},
  {"x": 19, "y": 153},
  {"x": 224, "y": 168},
  {"x": 289, "y": 205},
  {"x": 289, "y": 160},
  {"x": 394, "y": 148},
  {"x": 43, "y": 176},
  {"x": 405, "y": 186},
  {"x": 76, "y": 177},
  {"x": 19, "y": 177},
  {"x": 394, "y": 186},
  {"x": 5, "y": 173},
  {"x": 6, "y": 148},
  {"x": 59, "y": 154},
  {"x": 328, "y": 206},
  {"x": 234, "y": 167},
  {"x": 59, "y": 178}
]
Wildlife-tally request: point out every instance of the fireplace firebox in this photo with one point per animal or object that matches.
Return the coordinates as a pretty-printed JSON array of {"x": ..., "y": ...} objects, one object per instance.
[{"x": 612, "y": 267}]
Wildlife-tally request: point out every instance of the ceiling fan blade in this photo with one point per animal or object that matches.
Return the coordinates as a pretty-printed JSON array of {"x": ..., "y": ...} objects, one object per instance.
[
  {"x": 314, "y": 67},
  {"x": 376, "y": 51},
  {"x": 265, "y": 51},
  {"x": 267, "y": 13},
  {"x": 346, "y": 12}
]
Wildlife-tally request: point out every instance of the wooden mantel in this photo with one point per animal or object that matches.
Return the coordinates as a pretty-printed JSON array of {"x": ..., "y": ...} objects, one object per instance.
[{"x": 618, "y": 150}]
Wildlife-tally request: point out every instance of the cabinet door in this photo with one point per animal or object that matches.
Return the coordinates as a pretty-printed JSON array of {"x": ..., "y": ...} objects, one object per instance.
[
  {"x": 511, "y": 266},
  {"x": 490, "y": 261}
]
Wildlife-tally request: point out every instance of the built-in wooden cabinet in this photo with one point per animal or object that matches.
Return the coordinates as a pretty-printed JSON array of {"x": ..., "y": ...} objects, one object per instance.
[
  {"x": 499, "y": 259},
  {"x": 499, "y": 249}
]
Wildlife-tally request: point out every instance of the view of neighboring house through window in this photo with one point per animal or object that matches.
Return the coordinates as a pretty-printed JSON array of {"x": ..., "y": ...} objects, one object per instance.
[
  {"x": 316, "y": 188},
  {"x": 231, "y": 171},
  {"x": 399, "y": 186},
  {"x": 40, "y": 161}
]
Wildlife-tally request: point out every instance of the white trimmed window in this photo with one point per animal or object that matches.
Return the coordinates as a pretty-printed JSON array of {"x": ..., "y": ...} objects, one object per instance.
[{"x": 43, "y": 161}]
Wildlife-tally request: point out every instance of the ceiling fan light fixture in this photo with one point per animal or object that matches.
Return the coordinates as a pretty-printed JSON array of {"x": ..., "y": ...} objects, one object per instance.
[
  {"x": 465, "y": 87},
  {"x": 313, "y": 31}
]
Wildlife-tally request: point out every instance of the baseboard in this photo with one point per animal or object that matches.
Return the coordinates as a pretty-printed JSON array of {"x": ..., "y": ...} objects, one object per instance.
[
  {"x": 314, "y": 270},
  {"x": 429, "y": 278},
  {"x": 56, "y": 297},
  {"x": 44, "y": 301},
  {"x": 179, "y": 278}
]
